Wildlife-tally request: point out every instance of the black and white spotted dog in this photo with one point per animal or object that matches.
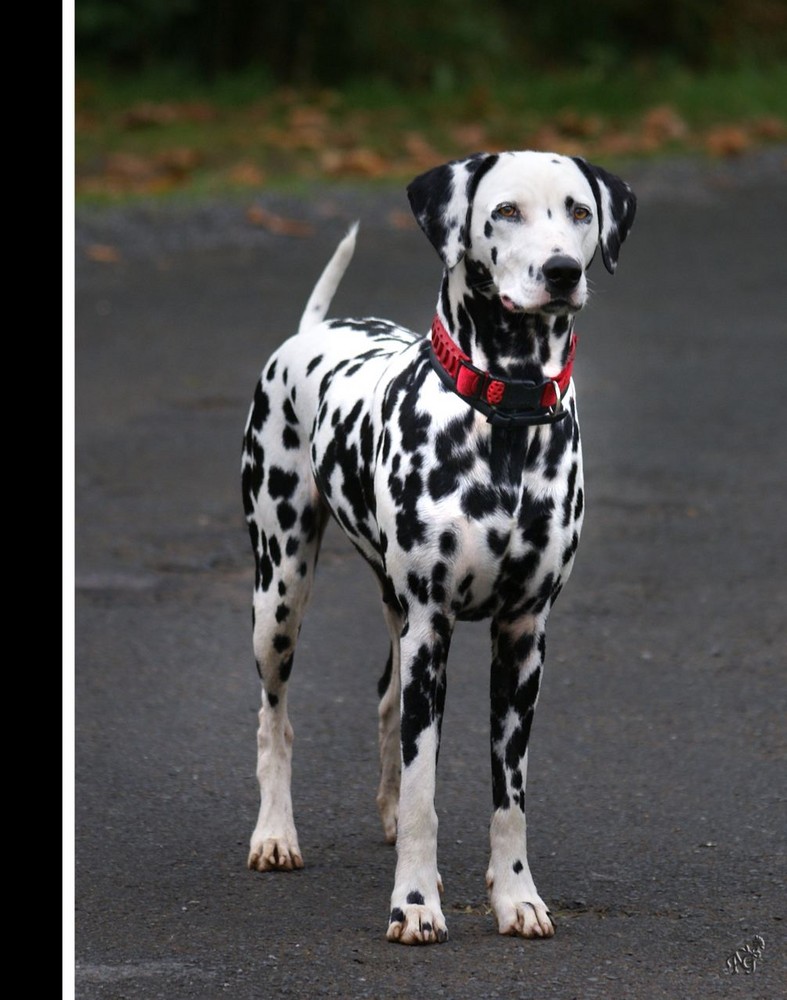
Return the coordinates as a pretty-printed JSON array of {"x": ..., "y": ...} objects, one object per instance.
[{"x": 453, "y": 464}]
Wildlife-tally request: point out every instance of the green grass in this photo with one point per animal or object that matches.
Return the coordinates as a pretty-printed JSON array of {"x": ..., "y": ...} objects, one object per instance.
[{"x": 164, "y": 134}]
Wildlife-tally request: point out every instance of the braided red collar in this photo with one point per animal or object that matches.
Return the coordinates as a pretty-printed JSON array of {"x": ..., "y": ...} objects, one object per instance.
[{"x": 504, "y": 401}]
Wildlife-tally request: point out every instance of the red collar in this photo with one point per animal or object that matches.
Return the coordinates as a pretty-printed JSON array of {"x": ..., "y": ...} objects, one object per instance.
[{"x": 504, "y": 401}]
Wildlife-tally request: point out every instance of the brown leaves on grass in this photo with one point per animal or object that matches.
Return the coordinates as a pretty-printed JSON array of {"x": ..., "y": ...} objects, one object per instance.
[
  {"x": 659, "y": 129},
  {"x": 133, "y": 173},
  {"x": 147, "y": 113},
  {"x": 290, "y": 136},
  {"x": 349, "y": 163}
]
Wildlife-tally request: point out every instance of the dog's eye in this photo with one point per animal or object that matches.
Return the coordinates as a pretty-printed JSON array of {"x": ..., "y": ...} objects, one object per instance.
[
  {"x": 580, "y": 213},
  {"x": 507, "y": 210}
]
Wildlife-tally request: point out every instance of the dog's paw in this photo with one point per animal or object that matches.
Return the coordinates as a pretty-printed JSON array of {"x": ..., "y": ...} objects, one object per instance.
[
  {"x": 417, "y": 924},
  {"x": 525, "y": 918},
  {"x": 269, "y": 854},
  {"x": 515, "y": 900}
]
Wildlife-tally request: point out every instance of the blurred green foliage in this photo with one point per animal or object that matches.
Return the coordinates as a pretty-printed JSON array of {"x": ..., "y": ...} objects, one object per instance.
[{"x": 439, "y": 44}]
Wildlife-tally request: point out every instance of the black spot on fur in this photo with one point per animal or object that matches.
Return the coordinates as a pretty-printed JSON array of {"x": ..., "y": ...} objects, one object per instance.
[
  {"x": 479, "y": 500},
  {"x": 447, "y": 543},
  {"x": 281, "y": 642},
  {"x": 281, "y": 483},
  {"x": 419, "y": 586},
  {"x": 385, "y": 680},
  {"x": 290, "y": 439},
  {"x": 497, "y": 542},
  {"x": 275, "y": 550},
  {"x": 265, "y": 572},
  {"x": 406, "y": 493},
  {"x": 285, "y": 669},
  {"x": 289, "y": 413},
  {"x": 423, "y": 696},
  {"x": 260, "y": 408},
  {"x": 286, "y": 515},
  {"x": 438, "y": 579}
]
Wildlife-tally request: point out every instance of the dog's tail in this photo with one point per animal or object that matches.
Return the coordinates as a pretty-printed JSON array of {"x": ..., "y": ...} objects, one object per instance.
[{"x": 325, "y": 289}]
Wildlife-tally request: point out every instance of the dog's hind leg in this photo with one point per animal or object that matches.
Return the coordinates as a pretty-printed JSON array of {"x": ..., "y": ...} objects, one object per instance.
[
  {"x": 286, "y": 521},
  {"x": 388, "y": 713}
]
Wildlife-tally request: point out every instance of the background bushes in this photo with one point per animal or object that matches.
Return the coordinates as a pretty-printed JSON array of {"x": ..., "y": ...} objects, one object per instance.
[{"x": 417, "y": 43}]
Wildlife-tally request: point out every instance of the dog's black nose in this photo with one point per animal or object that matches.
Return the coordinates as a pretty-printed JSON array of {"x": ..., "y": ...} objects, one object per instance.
[{"x": 562, "y": 273}]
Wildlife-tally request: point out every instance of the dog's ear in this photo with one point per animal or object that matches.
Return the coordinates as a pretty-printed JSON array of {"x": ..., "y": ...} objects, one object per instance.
[
  {"x": 616, "y": 205},
  {"x": 441, "y": 200}
]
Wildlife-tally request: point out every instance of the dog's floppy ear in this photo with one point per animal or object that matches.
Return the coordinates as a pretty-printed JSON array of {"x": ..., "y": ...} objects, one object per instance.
[
  {"x": 616, "y": 205},
  {"x": 441, "y": 200}
]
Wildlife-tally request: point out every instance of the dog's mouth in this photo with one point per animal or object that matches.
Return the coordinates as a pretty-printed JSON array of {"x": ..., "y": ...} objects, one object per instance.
[
  {"x": 560, "y": 307},
  {"x": 555, "y": 305}
]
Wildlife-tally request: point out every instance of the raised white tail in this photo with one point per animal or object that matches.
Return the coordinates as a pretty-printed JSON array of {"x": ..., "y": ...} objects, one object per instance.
[{"x": 325, "y": 289}]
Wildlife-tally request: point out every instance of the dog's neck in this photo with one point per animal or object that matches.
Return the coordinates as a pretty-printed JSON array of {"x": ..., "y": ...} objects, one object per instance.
[{"x": 531, "y": 346}]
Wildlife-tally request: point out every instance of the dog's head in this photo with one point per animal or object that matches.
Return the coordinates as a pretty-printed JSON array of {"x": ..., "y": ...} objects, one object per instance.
[{"x": 529, "y": 223}]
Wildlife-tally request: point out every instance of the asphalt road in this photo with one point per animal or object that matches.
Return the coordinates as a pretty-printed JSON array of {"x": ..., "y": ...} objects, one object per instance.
[{"x": 657, "y": 780}]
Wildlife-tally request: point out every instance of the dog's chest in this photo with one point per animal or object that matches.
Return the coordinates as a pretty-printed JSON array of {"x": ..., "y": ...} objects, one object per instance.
[
  {"x": 460, "y": 513},
  {"x": 495, "y": 516}
]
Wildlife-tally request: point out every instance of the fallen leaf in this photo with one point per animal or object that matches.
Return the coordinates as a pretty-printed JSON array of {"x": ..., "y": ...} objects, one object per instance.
[
  {"x": 771, "y": 128},
  {"x": 572, "y": 123},
  {"x": 279, "y": 225},
  {"x": 103, "y": 253},
  {"x": 152, "y": 113},
  {"x": 399, "y": 219},
  {"x": 177, "y": 162},
  {"x": 167, "y": 169},
  {"x": 470, "y": 137},
  {"x": 302, "y": 116},
  {"x": 130, "y": 167},
  {"x": 421, "y": 152},
  {"x": 149, "y": 113},
  {"x": 727, "y": 140},
  {"x": 246, "y": 174},
  {"x": 355, "y": 162},
  {"x": 663, "y": 123},
  {"x": 549, "y": 138},
  {"x": 619, "y": 144}
]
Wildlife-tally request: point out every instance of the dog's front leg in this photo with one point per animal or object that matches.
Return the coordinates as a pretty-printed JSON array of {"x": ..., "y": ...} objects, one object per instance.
[
  {"x": 518, "y": 658},
  {"x": 416, "y": 915}
]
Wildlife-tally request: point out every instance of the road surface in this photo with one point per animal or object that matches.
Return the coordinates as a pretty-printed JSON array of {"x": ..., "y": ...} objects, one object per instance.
[{"x": 656, "y": 788}]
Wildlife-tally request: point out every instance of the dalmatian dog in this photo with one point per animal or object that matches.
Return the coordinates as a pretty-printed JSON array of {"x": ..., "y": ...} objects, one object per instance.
[{"x": 452, "y": 462}]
